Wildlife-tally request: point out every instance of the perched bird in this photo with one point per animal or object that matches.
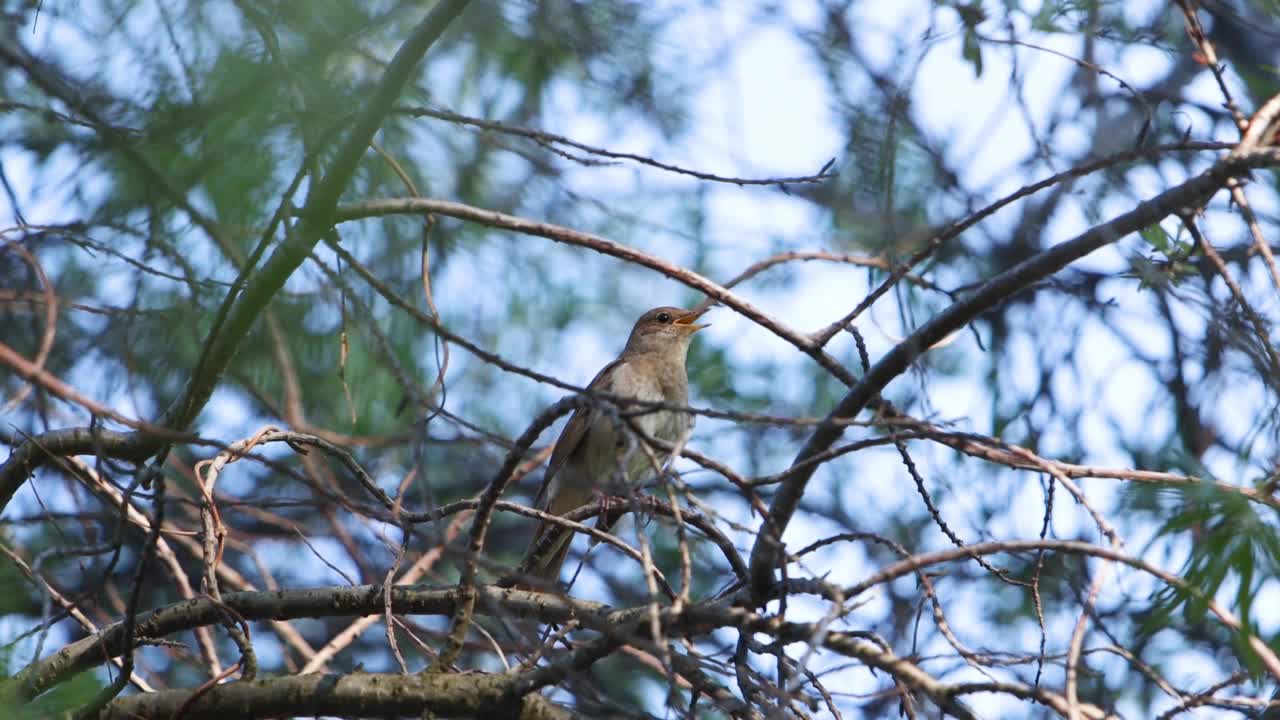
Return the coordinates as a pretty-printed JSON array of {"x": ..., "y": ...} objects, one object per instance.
[{"x": 591, "y": 456}]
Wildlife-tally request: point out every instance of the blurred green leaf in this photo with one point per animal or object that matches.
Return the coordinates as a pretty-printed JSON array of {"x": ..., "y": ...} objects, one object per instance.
[
  {"x": 973, "y": 51},
  {"x": 1233, "y": 546}
]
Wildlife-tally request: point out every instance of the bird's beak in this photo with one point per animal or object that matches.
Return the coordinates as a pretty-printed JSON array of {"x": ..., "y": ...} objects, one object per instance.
[{"x": 687, "y": 321}]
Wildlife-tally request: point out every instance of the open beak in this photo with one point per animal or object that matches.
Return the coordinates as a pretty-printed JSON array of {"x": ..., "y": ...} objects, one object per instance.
[{"x": 688, "y": 321}]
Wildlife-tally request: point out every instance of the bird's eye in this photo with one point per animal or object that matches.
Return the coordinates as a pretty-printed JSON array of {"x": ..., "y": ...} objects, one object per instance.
[{"x": 664, "y": 317}]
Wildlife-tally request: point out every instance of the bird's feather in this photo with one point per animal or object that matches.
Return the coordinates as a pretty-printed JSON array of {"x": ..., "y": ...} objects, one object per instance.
[
  {"x": 574, "y": 432},
  {"x": 558, "y": 498},
  {"x": 592, "y": 453}
]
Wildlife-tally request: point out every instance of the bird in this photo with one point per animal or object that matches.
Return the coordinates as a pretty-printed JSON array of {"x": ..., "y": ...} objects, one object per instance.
[{"x": 590, "y": 455}]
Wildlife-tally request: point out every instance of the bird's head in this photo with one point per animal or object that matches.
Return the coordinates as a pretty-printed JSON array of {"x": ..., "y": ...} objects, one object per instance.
[{"x": 664, "y": 329}]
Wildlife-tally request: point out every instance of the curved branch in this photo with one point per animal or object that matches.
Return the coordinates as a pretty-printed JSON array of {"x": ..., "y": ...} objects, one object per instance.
[
  {"x": 35, "y": 451},
  {"x": 569, "y": 236},
  {"x": 1195, "y": 192},
  {"x": 547, "y": 139},
  {"x": 360, "y": 600}
]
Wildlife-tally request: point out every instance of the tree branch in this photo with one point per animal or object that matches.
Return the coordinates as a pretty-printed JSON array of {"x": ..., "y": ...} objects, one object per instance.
[
  {"x": 317, "y": 218},
  {"x": 354, "y": 695},
  {"x": 1194, "y": 193}
]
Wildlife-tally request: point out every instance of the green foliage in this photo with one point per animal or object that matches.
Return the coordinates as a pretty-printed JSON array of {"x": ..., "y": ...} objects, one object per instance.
[
  {"x": 1157, "y": 238},
  {"x": 62, "y": 699},
  {"x": 971, "y": 16},
  {"x": 1235, "y": 550},
  {"x": 973, "y": 51},
  {"x": 1175, "y": 265},
  {"x": 15, "y": 600}
]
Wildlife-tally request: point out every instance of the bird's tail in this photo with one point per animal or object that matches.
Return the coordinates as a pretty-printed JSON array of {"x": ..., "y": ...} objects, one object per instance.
[{"x": 540, "y": 568}]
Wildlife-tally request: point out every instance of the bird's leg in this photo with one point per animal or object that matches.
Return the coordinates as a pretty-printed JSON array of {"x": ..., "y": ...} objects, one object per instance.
[
  {"x": 643, "y": 506},
  {"x": 606, "y": 503}
]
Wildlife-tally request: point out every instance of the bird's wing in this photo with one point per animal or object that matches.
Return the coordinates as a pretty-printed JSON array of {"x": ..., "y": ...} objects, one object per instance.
[{"x": 574, "y": 432}]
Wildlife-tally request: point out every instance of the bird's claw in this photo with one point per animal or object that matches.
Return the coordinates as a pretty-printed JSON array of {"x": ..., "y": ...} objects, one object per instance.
[{"x": 605, "y": 502}]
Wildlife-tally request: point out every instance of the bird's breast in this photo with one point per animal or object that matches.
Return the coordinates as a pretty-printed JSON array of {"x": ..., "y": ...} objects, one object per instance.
[
  {"x": 605, "y": 448},
  {"x": 642, "y": 383}
]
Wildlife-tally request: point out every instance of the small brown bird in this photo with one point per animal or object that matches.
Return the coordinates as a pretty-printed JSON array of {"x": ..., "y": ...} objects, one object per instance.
[{"x": 590, "y": 456}]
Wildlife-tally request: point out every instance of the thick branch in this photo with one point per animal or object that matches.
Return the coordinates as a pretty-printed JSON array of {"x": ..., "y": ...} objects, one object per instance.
[
  {"x": 34, "y": 452},
  {"x": 361, "y": 600},
  {"x": 1189, "y": 195},
  {"x": 355, "y": 695}
]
